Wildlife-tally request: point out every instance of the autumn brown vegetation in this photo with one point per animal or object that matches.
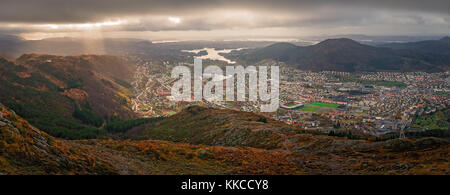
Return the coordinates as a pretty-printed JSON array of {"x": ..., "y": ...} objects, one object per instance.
[{"x": 26, "y": 150}]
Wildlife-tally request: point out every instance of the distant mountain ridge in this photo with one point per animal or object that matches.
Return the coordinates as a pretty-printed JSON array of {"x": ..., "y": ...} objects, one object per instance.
[
  {"x": 441, "y": 46},
  {"x": 446, "y": 39},
  {"x": 17, "y": 46},
  {"x": 350, "y": 56}
]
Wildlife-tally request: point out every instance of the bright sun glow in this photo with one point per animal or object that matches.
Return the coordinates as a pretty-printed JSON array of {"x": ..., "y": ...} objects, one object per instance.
[
  {"x": 174, "y": 20},
  {"x": 82, "y": 26}
]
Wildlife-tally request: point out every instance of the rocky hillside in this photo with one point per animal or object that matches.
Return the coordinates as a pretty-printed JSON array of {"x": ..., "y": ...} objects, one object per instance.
[{"x": 67, "y": 95}]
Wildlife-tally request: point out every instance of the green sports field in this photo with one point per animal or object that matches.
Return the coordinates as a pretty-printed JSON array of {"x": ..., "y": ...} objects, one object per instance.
[
  {"x": 328, "y": 105},
  {"x": 319, "y": 107},
  {"x": 309, "y": 108}
]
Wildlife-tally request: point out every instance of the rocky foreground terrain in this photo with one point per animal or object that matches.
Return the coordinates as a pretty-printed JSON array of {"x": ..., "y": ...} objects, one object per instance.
[{"x": 25, "y": 149}]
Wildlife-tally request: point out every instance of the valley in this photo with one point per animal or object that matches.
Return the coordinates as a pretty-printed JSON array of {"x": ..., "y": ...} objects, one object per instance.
[{"x": 114, "y": 114}]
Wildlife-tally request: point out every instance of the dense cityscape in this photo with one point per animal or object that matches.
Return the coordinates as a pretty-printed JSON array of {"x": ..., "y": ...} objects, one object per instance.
[{"x": 362, "y": 103}]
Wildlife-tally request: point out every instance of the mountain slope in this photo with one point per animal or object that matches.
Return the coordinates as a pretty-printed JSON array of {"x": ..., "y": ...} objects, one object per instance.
[
  {"x": 441, "y": 46},
  {"x": 314, "y": 154},
  {"x": 66, "y": 96},
  {"x": 345, "y": 55},
  {"x": 349, "y": 56},
  {"x": 445, "y": 39},
  {"x": 71, "y": 46},
  {"x": 277, "y": 51},
  {"x": 24, "y": 149},
  {"x": 7, "y": 57},
  {"x": 200, "y": 125}
]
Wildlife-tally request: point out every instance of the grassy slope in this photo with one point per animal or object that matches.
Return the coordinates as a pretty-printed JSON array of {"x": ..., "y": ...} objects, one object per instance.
[
  {"x": 199, "y": 125},
  {"x": 26, "y": 150}
]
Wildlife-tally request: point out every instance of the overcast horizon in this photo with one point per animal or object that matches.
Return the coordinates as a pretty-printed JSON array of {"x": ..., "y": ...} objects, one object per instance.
[{"x": 224, "y": 20}]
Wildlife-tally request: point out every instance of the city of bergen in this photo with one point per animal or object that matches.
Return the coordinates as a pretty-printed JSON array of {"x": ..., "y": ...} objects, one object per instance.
[{"x": 93, "y": 88}]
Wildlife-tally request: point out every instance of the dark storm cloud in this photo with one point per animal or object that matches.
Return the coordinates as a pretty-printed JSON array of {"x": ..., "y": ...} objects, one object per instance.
[
  {"x": 225, "y": 17},
  {"x": 79, "y": 11}
]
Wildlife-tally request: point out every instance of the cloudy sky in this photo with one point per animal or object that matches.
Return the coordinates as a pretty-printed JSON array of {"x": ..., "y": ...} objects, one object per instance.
[{"x": 222, "y": 19}]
